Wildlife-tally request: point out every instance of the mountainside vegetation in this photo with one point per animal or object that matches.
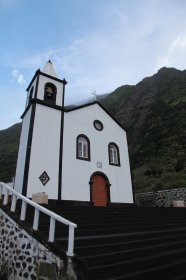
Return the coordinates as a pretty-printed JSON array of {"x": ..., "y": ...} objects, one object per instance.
[
  {"x": 9, "y": 142},
  {"x": 154, "y": 114}
]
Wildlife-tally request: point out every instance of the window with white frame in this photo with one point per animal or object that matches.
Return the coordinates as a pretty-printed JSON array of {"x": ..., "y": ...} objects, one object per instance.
[
  {"x": 83, "y": 147},
  {"x": 114, "y": 158}
]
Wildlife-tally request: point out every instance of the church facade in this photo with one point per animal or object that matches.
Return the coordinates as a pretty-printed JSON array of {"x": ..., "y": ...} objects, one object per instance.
[{"x": 75, "y": 154}]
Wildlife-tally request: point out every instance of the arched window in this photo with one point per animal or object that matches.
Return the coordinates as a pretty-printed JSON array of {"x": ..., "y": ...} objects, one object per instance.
[
  {"x": 114, "y": 158},
  {"x": 83, "y": 147},
  {"x": 50, "y": 93}
]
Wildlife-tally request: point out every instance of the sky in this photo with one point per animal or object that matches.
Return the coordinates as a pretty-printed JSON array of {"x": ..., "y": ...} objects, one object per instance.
[{"x": 96, "y": 45}]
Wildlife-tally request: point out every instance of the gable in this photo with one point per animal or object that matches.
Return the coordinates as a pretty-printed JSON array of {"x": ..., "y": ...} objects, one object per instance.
[
  {"x": 96, "y": 103},
  {"x": 83, "y": 121}
]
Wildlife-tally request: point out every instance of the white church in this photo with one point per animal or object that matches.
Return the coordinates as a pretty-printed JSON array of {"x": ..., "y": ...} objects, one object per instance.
[{"x": 76, "y": 155}]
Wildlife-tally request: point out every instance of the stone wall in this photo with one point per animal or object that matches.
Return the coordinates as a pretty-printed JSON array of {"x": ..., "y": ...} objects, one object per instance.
[
  {"x": 160, "y": 198},
  {"x": 23, "y": 257}
]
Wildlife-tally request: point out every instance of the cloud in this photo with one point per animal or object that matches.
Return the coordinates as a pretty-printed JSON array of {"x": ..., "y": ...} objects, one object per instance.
[
  {"x": 134, "y": 39},
  {"x": 6, "y": 5},
  {"x": 119, "y": 42},
  {"x": 174, "y": 54},
  {"x": 21, "y": 80},
  {"x": 15, "y": 73},
  {"x": 12, "y": 105},
  {"x": 19, "y": 77}
]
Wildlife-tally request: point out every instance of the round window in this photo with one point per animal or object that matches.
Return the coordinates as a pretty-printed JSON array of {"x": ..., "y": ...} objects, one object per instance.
[{"x": 98, "y": 125}]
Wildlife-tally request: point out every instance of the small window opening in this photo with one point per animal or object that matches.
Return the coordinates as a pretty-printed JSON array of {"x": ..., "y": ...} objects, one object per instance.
[{"x": 50, "y": 93}]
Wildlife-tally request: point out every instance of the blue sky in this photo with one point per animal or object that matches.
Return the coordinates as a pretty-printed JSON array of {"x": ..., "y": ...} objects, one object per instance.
[{"x": 94, "y": 44}]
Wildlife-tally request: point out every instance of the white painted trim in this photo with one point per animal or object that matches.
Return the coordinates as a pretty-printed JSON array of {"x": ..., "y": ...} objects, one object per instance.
[{"x": 53, "y": 217}]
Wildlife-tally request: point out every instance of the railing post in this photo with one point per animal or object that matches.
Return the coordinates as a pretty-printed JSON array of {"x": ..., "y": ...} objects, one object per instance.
[
  {"x": 53, "y": 217},
  {"x": 14, "y": 200},
  {"x": 70, "y": 251},
  {"x": 36, "y": 219},
  {"x": 23, "y": 211},
  {"x": 5, "y": 201},
  {"x": 52, "y": 230}
]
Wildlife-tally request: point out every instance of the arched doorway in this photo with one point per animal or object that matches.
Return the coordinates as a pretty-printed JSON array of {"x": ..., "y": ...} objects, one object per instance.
[{"x": 99, "y": 189}]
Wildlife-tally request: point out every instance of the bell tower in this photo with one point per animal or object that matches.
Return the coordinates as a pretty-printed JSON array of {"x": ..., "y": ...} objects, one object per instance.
[{"x": 40, "y": 150}]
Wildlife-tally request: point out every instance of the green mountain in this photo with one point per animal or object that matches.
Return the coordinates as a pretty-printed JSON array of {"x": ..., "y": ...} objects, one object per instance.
[
  {"x": 9, "y": 142},
  {"x": 154, "y": 114}
]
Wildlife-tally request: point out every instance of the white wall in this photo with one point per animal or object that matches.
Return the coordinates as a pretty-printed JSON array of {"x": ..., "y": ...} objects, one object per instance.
[
  {"x": 22, "y": 152},
  {"x": 45, "y": 151},
  {"x": 33, "y": 94},
  {"x": 77, "y": 173},
  {"x": 44, "y": 154}
]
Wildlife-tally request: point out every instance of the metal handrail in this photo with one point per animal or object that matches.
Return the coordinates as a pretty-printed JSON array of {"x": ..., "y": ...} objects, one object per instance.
[{"x": 38, "y": 208}]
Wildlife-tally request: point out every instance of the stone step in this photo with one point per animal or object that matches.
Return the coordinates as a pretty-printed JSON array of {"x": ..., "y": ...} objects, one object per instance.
[
  {"x": 118, "y": 243},
  {"x": 137, "y": 243},
  {"x": 62, "y": 229},
  {"x": 128, "y": 254},
  {"x": 175, "y": 270},
  {"x": 105, "y": 271}
]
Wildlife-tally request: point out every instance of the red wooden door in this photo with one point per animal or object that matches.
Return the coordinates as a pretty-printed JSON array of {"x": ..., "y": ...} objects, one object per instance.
[{"x": 99, "y": 190}]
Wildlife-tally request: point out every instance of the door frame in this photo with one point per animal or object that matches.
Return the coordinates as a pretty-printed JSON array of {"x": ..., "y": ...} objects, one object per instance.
[{"x": 107, "y": 186}]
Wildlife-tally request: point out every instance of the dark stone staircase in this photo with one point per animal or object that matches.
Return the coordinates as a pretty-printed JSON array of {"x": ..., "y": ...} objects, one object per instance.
[{"x": 124, "y": 243}]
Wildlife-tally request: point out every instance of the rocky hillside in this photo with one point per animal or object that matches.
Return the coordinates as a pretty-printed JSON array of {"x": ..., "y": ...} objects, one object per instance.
[
  {"x": 9, "y": 142},
  {"x": 154, "y": 114}
]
